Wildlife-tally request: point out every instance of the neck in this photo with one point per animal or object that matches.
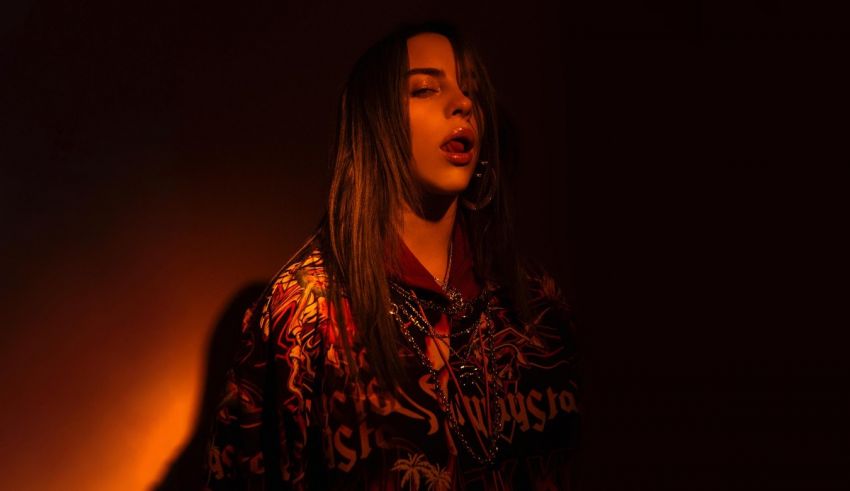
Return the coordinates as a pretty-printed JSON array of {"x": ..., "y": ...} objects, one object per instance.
[{"x": 428, "y": 235}]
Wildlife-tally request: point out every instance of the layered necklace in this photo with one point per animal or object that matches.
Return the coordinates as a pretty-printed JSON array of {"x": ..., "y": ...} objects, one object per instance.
[{"x": 408, "y": 310}]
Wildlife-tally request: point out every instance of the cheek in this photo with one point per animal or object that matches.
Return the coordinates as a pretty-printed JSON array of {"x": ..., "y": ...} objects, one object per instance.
[{"x": 424, "y": 139}]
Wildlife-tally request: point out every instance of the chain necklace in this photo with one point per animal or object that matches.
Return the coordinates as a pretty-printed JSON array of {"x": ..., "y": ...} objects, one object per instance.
[
  {"x": 408, "y": 312},
  {"x": 456, "y": 308},
  {"x": 444, "y": 283}
]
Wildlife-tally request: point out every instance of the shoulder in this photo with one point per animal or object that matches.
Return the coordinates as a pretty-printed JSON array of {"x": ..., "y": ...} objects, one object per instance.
[
  {"x": 295, "y": 295},
  {"x": 544, "y": 291},
  {"x": 304, "y": 274},
  {"x": 547, "y": 304}
]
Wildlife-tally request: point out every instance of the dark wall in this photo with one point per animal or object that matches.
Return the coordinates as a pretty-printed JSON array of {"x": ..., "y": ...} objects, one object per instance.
[{"x": 679, "y": 173}]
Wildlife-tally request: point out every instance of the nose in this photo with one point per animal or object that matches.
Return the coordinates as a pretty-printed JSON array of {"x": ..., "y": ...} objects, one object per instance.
[{"x": 461, "y": 105}]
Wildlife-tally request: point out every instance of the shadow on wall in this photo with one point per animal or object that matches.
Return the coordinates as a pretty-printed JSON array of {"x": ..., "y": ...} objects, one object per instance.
[{"x": 186, "y": 471}]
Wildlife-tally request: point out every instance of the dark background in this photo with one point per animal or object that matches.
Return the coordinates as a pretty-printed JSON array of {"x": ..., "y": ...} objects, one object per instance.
[{"x": 683, "y": 174}]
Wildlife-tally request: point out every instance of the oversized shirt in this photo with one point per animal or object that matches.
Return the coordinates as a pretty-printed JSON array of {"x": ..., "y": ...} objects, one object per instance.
[{"x": 293, "y": 417}]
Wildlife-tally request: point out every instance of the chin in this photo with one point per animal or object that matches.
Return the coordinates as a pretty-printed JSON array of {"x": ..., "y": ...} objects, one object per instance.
[
  {"x": 446, "y": 188},
  {"x": 453, "y": 182}
]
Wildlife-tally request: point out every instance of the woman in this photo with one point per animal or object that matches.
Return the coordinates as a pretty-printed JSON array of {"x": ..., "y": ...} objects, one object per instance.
[{"x": 404, "y": 347}]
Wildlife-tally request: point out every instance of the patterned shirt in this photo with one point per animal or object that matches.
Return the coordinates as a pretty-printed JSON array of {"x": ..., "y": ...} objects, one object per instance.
[{"x": 292, "y": 416}]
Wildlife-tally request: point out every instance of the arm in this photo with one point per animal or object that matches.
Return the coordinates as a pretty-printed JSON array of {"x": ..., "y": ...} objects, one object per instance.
[
  {"x": 259, "y": 433},
  {"x": 548, "y": 305}
]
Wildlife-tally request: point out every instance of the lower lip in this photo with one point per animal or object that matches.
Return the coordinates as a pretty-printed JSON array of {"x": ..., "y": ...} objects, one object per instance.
[{"x": 458, "y": 158}]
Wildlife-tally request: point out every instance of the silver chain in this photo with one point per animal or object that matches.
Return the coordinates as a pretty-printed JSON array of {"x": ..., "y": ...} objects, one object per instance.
[
  {"x": 444, "y": 283},
  {"x": 411, "y": 309}
]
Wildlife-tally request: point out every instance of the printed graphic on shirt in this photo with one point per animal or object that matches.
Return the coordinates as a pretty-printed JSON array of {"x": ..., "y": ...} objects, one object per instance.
[
  {"x": 415, "y": 470},
  {"x": 401, "y": 440}
]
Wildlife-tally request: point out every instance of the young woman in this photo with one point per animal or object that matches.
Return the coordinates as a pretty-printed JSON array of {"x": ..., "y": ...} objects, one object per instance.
[{"x": 405, "y": 347}]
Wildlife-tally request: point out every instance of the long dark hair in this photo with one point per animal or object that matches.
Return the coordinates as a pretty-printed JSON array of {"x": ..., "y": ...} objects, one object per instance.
[{"x": 372, "y": 180}]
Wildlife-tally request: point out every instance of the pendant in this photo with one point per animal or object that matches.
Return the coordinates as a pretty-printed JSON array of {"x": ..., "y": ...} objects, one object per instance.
[{"x": 458, "y": 307}]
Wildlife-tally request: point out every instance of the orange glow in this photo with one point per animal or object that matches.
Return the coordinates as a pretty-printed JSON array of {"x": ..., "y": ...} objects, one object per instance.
[{"x": 111, "y": 333}]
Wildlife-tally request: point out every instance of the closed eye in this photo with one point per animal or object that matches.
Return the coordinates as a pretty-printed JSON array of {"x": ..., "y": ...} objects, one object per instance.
[{"x": 422, "y": 92}]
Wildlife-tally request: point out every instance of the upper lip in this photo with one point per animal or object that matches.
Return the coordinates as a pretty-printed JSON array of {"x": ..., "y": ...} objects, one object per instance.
[{"x": 463, "y": 133}]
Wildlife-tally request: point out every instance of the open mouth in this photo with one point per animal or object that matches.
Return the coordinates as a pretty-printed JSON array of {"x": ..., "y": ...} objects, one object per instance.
[
  {"x": 460, "y": 144},
  {"x": 458, "y": 147}
]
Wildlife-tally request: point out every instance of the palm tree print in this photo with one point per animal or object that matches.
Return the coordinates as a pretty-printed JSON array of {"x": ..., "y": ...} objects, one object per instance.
[
  {"x": 439, "y": 478},
  {"x": 416, "y": 466},
  {"x": 413, "y": 468}
]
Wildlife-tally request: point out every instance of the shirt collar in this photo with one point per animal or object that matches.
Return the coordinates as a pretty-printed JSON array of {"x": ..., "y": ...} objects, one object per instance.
[{"x": 461, "y": 276}]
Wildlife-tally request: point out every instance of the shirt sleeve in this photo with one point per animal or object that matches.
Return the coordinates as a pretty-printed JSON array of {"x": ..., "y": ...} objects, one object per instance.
[
  {"x": 259, "y": 433},
  {"x": 551, "y": 313}
]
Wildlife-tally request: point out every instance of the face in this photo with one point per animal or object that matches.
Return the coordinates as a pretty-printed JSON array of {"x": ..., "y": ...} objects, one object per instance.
[{"x": 443, "y": 130}]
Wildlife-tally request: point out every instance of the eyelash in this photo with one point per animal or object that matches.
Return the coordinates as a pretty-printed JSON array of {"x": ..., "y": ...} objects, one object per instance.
[
  {"x": 420, "y": 91},
  {"x": 417, "y": 92}
]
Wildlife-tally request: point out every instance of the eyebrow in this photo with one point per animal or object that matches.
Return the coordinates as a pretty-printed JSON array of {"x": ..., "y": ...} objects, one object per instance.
[{"x": 435, "y": 72}]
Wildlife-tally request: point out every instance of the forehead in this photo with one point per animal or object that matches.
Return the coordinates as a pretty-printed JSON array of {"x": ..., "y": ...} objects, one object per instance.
[{"x": 431, "y": 50}]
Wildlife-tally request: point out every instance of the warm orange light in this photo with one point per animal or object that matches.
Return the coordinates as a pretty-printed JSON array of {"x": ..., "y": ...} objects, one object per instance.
[{"x": 110, "y": 341}]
